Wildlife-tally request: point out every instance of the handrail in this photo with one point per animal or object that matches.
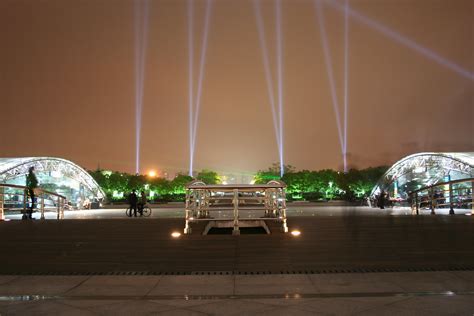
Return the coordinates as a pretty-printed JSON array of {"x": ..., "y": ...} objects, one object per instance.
[
  {"x": 433, "y": 200},
  {"x": 441, "y": 184},
  {"x": 41, "y": 194}
]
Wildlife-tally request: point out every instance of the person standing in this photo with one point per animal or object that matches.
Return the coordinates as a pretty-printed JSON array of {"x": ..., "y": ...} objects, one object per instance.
[
  {"x": 381, "y": 200},
  {"x": 31, "y": 185},
  {"x": 133, "y": 199},
  {"x": 142, "y": 202}
]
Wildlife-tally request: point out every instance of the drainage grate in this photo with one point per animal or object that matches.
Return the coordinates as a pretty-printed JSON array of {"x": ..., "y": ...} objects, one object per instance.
[
  {"x": 236, "y": 272},
  {"x": 243, "y": 231}
]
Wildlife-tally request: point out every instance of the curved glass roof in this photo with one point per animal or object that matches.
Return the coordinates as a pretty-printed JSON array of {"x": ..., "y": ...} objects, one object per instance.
[
  {"x": 11, "y": 168},
  {"x": 425, "y": 169}
]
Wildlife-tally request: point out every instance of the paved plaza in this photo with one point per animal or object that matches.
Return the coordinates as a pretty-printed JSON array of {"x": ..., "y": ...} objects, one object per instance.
[
  {"x": 410, "y": 293},
  {"x": 347, "y": 261}
]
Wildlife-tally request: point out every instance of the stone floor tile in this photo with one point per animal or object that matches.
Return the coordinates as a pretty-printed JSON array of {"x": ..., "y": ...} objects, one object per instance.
[
  {"x": 344, "y": 306},
  {"x": 273, "y": 284},
  {"x": 119, "y": 308},
  {"x": 181, "y": 312},
  {"x": 44, "y": 285},
  {"x": 288, "y": 310},
  {"x": 47, "y": 308},
  {"x": 438, "y": 281},
  {"x": 353, "y": 282},
  {"x": 7, "y": 278},
  {"x": 195, "y": 285},
  {"x": 116, "y": 285},
  {"x": 232, "y": 307},
  {"x": 443, "y": 305}
]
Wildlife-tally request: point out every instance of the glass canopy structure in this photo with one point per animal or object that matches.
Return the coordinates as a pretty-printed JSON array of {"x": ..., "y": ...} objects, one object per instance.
[
  {"x": 424, "y": 169},
  {"x": 54, "y": 174}
]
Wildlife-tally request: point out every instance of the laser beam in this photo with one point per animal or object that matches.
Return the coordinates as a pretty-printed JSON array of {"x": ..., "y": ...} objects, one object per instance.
[
  {"x": 141, "y": 36},
  {"x": 190, "y": 82},
  {"x": 346, "y": 78},
  {"x": 328, "y": 61},
  {"x": 201, "y": 69},
  {"x": 266, "y": 65},
  {"x": 398, "y": 37},
  {"x": 280, "y": 78}
]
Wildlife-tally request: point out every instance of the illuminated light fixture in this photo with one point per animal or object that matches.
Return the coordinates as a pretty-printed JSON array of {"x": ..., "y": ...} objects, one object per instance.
[
  {"x": 175, "y": 234},
  {"x": 152, "y": 173},
  {"x": 295, "y": 233}
]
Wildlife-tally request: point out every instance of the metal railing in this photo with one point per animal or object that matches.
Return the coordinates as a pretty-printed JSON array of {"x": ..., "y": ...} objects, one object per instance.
[
  {"x": 456, "y": 194},
  {"x": 202, "y": 199},
  {"x": 16, "y": 198}
]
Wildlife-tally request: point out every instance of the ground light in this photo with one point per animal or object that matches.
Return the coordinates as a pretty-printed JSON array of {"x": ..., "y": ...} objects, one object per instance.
[
  {"x": 175, "y": 234},
  {"x": 295, "y": 233},
  {"x": 152, "y": 173}
]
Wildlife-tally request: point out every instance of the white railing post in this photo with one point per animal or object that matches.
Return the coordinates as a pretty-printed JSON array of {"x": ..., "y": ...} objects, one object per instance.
[
  {"x": 432, "y": 200},
  {"x": 283, "y": 211},
  {"x": 451, "y": 208},
  {"x": 235, "y": 201},
  {"x": 187, "y": 227},
  {"x": 42, "y": 206},
  {"x": 2, "y": 207}
]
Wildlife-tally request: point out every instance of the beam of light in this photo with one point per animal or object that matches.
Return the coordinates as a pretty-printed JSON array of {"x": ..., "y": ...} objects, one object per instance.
[
  {"x": 346, "y": 77},
  {"x": 280, "y": 80},
  {"x": 328, "y": 61},
  {"x": 190, "y": 82},
  {"x": 201, "y": 70},
  {"x": 379, "y": 27},
  {"x": 141, "y": 35},
  {"x": 266, "y": 65}
]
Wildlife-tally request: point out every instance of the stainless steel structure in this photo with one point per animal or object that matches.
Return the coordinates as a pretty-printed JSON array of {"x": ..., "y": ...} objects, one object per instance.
[
  {"x": 54, "y": 174},
  {"x": 14, "y": 197},
  {"x": 209, "y": 202},
  {"x": 458, "y": 194},
  {"x": 422, "y": 170}
]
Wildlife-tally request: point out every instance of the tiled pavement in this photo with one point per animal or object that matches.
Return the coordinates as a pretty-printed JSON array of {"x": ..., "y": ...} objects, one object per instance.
[{"x": 393, "y": 293}]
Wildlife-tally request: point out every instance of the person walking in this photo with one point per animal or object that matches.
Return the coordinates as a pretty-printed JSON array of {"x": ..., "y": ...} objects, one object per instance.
[
  {"x": 133, "y": 199},
  {"x": 142, "y": 203},
  {"x": 31, "y": 185},
  {"x": 381, "y": 200}
]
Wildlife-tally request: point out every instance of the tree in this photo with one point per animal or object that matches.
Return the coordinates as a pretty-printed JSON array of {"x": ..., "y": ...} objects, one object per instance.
[
  {"x": 208, "y": 177},
  {"x": 272, "y": 173}
]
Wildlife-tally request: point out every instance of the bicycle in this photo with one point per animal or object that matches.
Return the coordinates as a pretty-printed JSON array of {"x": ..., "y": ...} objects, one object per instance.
[{"x": 146, "y": 211}]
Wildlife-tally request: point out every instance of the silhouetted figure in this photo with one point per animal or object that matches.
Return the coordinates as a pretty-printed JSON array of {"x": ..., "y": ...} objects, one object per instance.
[
  {"x": 381, "y": 200},
  {"x": 133, "y": 199},
  {"x": 31, "y": 184},
  {"x": 142, "y": 202}
]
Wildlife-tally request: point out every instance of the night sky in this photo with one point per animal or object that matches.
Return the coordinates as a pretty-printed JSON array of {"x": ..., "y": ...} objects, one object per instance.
[{"x": 67, "y": 84}]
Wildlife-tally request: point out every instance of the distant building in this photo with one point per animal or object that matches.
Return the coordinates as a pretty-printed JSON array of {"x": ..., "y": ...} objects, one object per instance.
[
  {"x": 424, "y": 169},
  {"x": 54, "y": 174}
]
